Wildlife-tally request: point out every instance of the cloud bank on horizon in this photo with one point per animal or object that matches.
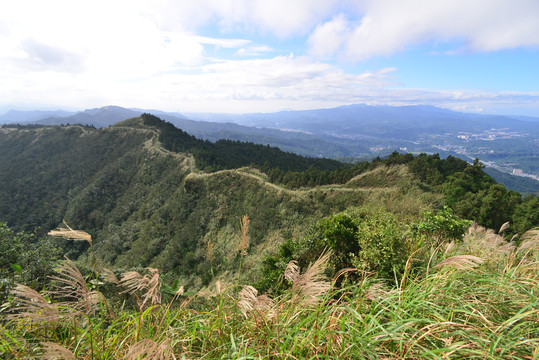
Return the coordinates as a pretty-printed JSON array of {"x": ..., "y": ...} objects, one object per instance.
[{"x": 253, "y": 55}]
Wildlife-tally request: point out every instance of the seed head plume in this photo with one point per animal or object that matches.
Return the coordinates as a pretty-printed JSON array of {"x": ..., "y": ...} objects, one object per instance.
[
  {"x": 109, "y": 277},
  {"x": 311, "y": 285},
  {"x": 70, "y": 234},
  {"x": 488, "y": 240},
  {"x": 461, "y": 262},
  {"x": 149, "y": 285},
  {"x": 250, "y": 301},
  {"x": 243, "y": 244},
  {"x": 375, "y": 291},
  {"x": 504, "y": 227},
  {"x": 33, "y": 307},
  {"x": 209, "y": 250},
  {"x": 247, "y": 297},
  {"x": 54, "y": 351},
  {"x": 529, "y": 241},
  {"x": 149, "y": 349},
  {"x": 291, "y": 271},
  {"x": 71, "y": 286}
]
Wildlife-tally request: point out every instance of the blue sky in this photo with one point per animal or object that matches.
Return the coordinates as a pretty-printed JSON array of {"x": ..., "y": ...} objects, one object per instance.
[{"x": 260, "y": 56}]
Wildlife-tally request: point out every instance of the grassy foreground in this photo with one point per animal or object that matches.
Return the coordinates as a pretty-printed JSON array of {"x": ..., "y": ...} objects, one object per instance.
[{"x": 475, "y": 299}]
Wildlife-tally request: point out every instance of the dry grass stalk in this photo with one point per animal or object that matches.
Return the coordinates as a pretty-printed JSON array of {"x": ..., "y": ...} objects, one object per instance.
[
  {"x": 149, "y": 285},
  {"x": 486, "y": 239},
  {"x": 250, "y": 301},
  {"x": 33, "y": 307},
  {"x": 334, "y": 335},
  {"x": 529, "y": 241},
  {"x": 504, "y": 227},
  {"x": 461, "y": 262},
  {"x": 291, "y": 271},
  {"x": 148, "y": 349},
  {"x": 71, "y": 285},
  {"x": 375, "y": 291},
  {"x": 311, "y": 285},
  {"x": 70, "y": 234},
  {"x": 109, "y": 277},
  {"x": 209, "y": 250},
  {"x": 247, "y": 297},
  {"x": 343, "y": 272},
  {"x": 243, "y": 244},
  {"x": 53, "y": 351}
]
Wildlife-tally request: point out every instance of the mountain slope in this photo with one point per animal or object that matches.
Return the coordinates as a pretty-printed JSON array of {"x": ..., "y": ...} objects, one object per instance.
[
  {"x": 506, "y": 142},
  {"x": 43, "y": 167},
  {"x": 152, "y": 195},
  {"x": 145, "y": 205}
]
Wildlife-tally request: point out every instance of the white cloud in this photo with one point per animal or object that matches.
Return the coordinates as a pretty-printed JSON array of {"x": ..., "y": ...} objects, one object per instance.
[
  {"x": 255, "y": 50},
  {"x": 151, "y": 54},
  {"x": 328, "y": 38},
  {"x": 389, "y": 26},
  {"x": 282, "y": 18}
]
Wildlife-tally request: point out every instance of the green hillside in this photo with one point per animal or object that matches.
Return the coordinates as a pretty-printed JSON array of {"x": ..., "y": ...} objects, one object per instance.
[
  {"x": 193, "y": 249},
  {"x": 152, "y": 195},
  {"x": 145, "y": 205}
]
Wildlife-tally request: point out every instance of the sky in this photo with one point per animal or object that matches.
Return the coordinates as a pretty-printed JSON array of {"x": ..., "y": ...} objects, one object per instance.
[{"x": 241, "y": 56}]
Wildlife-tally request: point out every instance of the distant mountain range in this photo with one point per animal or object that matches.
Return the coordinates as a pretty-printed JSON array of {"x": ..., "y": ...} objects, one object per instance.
[{"x": 505, "y": 143}]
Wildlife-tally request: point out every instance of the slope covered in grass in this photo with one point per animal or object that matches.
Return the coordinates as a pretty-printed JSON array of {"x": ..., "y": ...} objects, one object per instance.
[{"x": 472, "y": 299}]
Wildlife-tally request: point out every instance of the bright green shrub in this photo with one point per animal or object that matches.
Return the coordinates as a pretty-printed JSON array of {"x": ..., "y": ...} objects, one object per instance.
[
  {"x": 380, "y": 238},
  {"x": 439, "y": 226}
]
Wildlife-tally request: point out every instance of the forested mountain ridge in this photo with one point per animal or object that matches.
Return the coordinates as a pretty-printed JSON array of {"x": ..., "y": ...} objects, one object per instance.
[
  {"x": 140, "y": 190},
  {"x": 505, "y": 143},
  {"x": 137, "y": 201}
]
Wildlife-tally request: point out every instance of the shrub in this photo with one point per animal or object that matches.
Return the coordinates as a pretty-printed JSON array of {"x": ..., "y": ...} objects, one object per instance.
[
  {"x": 381, "y": 242},
  {"x": 439, "y": 226}
]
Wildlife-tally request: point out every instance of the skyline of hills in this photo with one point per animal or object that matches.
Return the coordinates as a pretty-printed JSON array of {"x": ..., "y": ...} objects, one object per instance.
[{"x": 507, "y": 144}]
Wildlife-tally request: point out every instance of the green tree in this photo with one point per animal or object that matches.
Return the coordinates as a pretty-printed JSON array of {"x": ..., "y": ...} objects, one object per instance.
[
  {"x": 526, "y": 215},
  {"x": 439, "y": 226}
]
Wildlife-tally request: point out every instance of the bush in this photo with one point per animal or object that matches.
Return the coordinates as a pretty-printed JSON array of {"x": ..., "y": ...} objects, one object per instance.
[
  {"x": 381, "y": 242},
  {"x": 442, "y": 225}
]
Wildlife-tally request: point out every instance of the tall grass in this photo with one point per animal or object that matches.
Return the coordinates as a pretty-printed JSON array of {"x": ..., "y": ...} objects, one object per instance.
[{"x": 476, "y": 301}]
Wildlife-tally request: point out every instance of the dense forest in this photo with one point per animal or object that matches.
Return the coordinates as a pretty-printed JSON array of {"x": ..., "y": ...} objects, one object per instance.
[{"x": 188, "y": 219}]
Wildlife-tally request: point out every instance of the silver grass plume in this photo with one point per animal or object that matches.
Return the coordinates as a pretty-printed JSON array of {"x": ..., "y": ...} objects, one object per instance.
[
  {"x": 54, "y": 351},
  {"x": 461, "y": 262},
  {"x": 249, "y": 301},
  {"x": 71, "y": 285},
  {"x": 148, "y": 349},
  {"x": 243, "y": 243},
  {"x": 291, "y": 271},
  {"x": 31, "y": 306},
  {"x": 149, "y": 285},
  {"x": 529, "y": 241},
  {"x": 110, "y": 277},
  {"x": 309, "y": 287},
  {"x": 70, "y": 234},
  {"x": 504, "y": 227}
]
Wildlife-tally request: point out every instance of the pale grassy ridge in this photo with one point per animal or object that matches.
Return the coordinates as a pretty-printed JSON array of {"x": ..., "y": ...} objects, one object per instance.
[{"x": 485, "y": 309}]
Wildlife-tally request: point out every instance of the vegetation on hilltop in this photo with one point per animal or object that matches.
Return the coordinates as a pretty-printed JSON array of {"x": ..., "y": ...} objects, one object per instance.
[
  {"x": 149, "y": 206},
  {"x": 44, "y": 167},
  {"x": 227, "y": 154},
  {"x": 473, "y": 298},
  {"x": 347, "y": 262}
]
